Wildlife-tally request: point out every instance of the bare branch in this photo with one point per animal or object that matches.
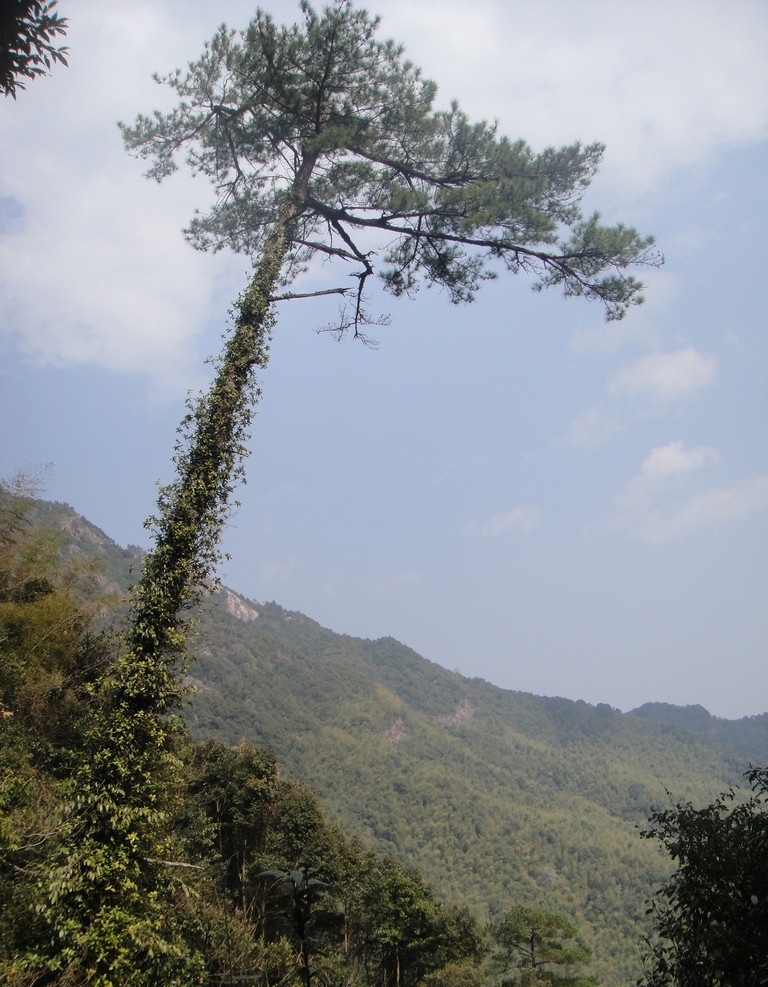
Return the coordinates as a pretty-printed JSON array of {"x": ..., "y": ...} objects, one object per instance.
[
  {"x": 172, "y": 863},
  {"x": 290, "y": 295}
]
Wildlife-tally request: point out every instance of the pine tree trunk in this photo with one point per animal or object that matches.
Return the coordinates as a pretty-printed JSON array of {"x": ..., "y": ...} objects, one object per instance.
[{"x": 193, "y": 508}]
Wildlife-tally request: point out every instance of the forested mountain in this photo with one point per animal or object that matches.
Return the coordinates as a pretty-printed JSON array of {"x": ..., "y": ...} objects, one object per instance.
[
  {"x": 746, "y": 735},
  {"x": 499, "y": 797}
]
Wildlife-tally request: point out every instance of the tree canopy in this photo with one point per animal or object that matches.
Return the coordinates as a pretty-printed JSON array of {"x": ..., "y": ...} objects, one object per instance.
[
  {"x": 711, "y": 917},
  {"x": 532, "y": 941},
  {"x": 322, "y": 141},
  {"x": 27, "y": 28},
  {"x": 326, "y": 116}
]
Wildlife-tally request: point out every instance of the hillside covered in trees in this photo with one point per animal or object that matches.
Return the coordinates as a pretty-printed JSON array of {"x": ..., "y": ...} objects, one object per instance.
[
  {"x": 488, "y": 799},
  {"x": 500, "y": 797}
]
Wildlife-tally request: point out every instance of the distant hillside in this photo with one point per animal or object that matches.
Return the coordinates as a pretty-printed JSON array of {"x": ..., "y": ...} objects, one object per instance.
[
  {"x": 745, "y": 736},
  {"x": 498, "y": 796}
]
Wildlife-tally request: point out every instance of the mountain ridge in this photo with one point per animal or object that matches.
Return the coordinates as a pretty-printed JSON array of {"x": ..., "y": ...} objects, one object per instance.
[{"x": 500, "y": 797}]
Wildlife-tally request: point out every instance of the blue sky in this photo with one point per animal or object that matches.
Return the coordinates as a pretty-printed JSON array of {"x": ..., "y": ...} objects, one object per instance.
[{"x": 514, "y": 488}]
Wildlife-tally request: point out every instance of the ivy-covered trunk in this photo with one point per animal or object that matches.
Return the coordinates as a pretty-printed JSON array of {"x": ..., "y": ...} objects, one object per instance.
[
  {"x": 109, "y": 899},
  {"x": 192, "y": 510}
]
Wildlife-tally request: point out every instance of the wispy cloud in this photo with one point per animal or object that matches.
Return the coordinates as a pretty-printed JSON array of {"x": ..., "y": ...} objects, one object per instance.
[
  {"x": 655, "y": 382},
  {"x": 522, "y": 519},
  {"x": 593, "y": 428},
  {"x": 721, "y": 505},
  {"x": 658, "y": 504},
  {"x": 665, "y": 377},
  {"x": 672, "y": 460},
  {"x": 678, "y": 87}
]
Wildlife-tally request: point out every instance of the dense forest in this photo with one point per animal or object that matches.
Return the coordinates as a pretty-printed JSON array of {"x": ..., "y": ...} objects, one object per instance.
[
  {"x": 348, "y": 808},
  {"x": 255, "y": 876}
]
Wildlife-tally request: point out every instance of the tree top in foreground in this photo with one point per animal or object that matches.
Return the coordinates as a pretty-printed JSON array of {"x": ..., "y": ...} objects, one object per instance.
[
  {"x": 327, "y": 116},
  {"x": 27, "y": 28}
]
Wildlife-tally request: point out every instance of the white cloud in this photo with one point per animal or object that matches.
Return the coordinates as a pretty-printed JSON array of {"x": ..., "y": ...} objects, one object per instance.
[
  {"x": 660, "y": 472},
  {"x": 657, "y": 505},
  {"x": 720, "y": 505},
  {"x": 523, "y": 519},
  {"x": 674, "y": 459},
  {"x": 94, "y": 269},
  {"x": 659, "y": 379},
  {"x": 117, "y": 288},
  {"x": 592, "y": 428},
  {"x": 664, "y": 377},
  {"x": 663, "y": 85}
]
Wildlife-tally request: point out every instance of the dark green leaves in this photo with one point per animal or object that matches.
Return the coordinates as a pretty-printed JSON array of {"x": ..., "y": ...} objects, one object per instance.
[
  {"x": 27, "y": 28},
  {"x": 534, "y": 940},
  {"x": 711, "y": 917}
]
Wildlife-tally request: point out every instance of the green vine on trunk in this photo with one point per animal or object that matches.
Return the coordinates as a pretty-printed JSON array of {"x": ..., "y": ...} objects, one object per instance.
[{"x": 108, "y": 899}]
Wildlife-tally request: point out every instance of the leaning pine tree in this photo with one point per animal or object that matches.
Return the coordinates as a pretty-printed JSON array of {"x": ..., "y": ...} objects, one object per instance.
[{"x": 321, "y": 141}]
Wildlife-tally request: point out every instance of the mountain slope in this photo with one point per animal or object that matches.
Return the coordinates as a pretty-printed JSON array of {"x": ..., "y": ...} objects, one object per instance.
[{"x": 500, "y": 797}]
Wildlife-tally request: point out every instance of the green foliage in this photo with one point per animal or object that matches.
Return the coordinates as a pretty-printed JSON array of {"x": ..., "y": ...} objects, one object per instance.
[
  {"x": 711, "y": 917},
  {"x": 497, "y": 797},
  {"x": 303, "y": 899},
  {"x": 192, "y": 509},
  {"x": 747, "y": 735},
  {"x": 106, "y": 900},
  {"x": 85, "y": 800},
  {"x": 401, "y": 923},
  {"x": 27, "y": 28},
  {"x": 131, "y": 855},
  {"x": 51, "y": 653},
  {"x": 325, "y": 115},
  {"x": 460, "y": 974},
  {"x": 403, "y": 932},
  {"x": 235, "y": 790},
  {"x": 531, "y": 941}
]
